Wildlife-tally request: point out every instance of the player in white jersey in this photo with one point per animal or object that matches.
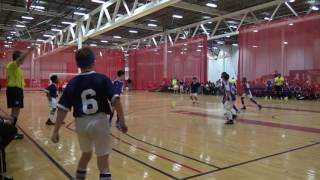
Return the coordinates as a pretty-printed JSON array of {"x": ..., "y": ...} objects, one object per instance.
[
  {"x": 247, "y": 94},
  {"x": 229, "y": 99}
]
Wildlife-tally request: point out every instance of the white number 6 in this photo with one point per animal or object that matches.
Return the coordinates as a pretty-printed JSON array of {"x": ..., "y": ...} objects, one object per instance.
[{"x": 89, "y": 105}]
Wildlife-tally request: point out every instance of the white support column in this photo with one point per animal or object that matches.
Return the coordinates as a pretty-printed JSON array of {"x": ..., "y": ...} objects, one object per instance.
[
  {"x": 215, "y": 28},
  {"x": 195, "y": 31},
  {"x": 291, "y": 9},
  {"x": 242, "y": 20},
  {"x": 275, "y": 11},
  {"x": 165, "y": 56}
]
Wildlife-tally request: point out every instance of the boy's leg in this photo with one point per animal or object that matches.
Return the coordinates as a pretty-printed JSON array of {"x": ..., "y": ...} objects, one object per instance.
[
  {"x": 86, "y": 146},
  {"x": 196, "y": 99},
  {"x": 103, "y": 165},
  {"x": 111, "y": 116},
  {"x": 118, "y": 122},
  {"x": 242, "y": 102},
  {"x": 236, "y": 109},
  {"x": 51, "y": 116},
  {"x": 228, "y": 106},
  {"x": 255, "y": 102},
  {"x": 82, "y": 165}
]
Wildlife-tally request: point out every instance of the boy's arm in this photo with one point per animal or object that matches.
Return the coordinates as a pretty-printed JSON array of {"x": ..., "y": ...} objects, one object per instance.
[
  {"x": 48, "y": 93},
  {"x": 61, "y": 115},
  {"x": 118, "y": 106}
]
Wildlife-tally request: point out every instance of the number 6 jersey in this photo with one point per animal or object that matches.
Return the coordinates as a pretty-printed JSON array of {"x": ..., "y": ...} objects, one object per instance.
[{"x": 88, "y": 93}]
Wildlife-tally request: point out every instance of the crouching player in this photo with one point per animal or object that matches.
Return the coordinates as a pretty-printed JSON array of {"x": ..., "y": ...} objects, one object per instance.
[
  {"x": 229, "y": 99},
  {"x": 88, "y": 94}
]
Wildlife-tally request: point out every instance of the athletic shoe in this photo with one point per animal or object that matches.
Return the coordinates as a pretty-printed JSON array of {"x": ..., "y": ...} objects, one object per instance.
[
  {"x": 18, "y": 136},
  {"x": 229, "y": 122},
  {"x": 49, "y": 122},
  {"x": 260, "y": 107},
  {"x": 244, "y": 108}
]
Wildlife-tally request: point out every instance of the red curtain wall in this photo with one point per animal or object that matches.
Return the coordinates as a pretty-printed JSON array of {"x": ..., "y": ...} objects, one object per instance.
[
  {"x": 290, "y": 47},
  {"x": 185, "y": 59},
  {"x": 60, "y": 60}
]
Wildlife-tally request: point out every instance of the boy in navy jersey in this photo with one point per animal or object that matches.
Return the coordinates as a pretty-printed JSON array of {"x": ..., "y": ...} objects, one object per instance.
[
  {"x": 88, "y": 94},
  {"x": 52, "y": 94},
  {"x": 229, "y": 99},
  {"x": 118, "y": 87},
  {"x": 247, "y": 93},
  {"x": 194, "y": 90}
]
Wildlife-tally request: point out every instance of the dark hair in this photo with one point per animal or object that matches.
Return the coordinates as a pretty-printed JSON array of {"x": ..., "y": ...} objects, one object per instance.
[
  {"x": 85, "y": 57},
  {"x": 16, "y": 55},
  {"x": 194, "y": 78},
  {"x": 244, "y": 79},
  {"x": 225, "y": 75},
  {"x": 54, "y": 78},
  {"x": 120, "y": 73}
]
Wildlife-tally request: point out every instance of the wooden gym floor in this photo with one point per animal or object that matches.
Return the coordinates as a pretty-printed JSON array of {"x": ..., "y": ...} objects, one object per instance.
[{"x": 169, "y": 138}]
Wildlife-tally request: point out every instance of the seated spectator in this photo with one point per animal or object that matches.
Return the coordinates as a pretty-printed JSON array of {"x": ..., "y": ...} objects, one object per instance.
[{"x": 7, "y": 133}]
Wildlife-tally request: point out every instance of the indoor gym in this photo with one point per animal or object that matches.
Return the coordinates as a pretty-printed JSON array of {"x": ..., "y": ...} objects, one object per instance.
[{"x": 161, "y": 45}]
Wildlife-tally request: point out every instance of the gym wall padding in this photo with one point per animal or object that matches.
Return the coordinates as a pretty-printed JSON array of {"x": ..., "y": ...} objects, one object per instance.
[
  {"x": 187, "y": 58},
  {"x": 290, "y": 47},
  {"x": 60, "y": 60}
]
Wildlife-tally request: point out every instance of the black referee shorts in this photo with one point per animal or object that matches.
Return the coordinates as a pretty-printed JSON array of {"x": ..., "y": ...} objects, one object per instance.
[{"x": 14, "y": 97}]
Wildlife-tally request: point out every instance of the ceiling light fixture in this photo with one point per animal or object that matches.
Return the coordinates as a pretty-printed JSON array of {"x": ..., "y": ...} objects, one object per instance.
[
  {"x": 97, "y": 1},
  {"x": 177, "y": 16},
  {"x": 47, "y": 35},
  {"x": 152, "y": 25},
  {"x": 79, "y": 13},
  {"x": 37, "y": 7},
  {"x": 104, "y": 41},
  {"x": 57, "y": 30},
  {"x": 27, "y": 17},
  {"x": 20, "y": 26},
  {"x": 65, "y": 22},
  {"x": 133, "y": 31},
  {"x": 211, "y": 5},
  {"x": 267, "y": 18},
  {"x": 315, "y": 8},
  {"x": 117, "y": 37}
]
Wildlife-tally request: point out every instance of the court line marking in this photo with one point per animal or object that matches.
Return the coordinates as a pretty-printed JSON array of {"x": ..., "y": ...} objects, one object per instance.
[
  {"x": 130, "y": 157},
  {"x": 173, "y": 152},
  {"x": 255, "y": 122},
  {"x": 51, "y": 159},
  {"x": 160, "y": 156},
  {"x": 253, "y": 160},
  {"x": 147, "y": 151},
  {"x": 287, "y": 109},
  {"x": 194, "y": 159}
]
